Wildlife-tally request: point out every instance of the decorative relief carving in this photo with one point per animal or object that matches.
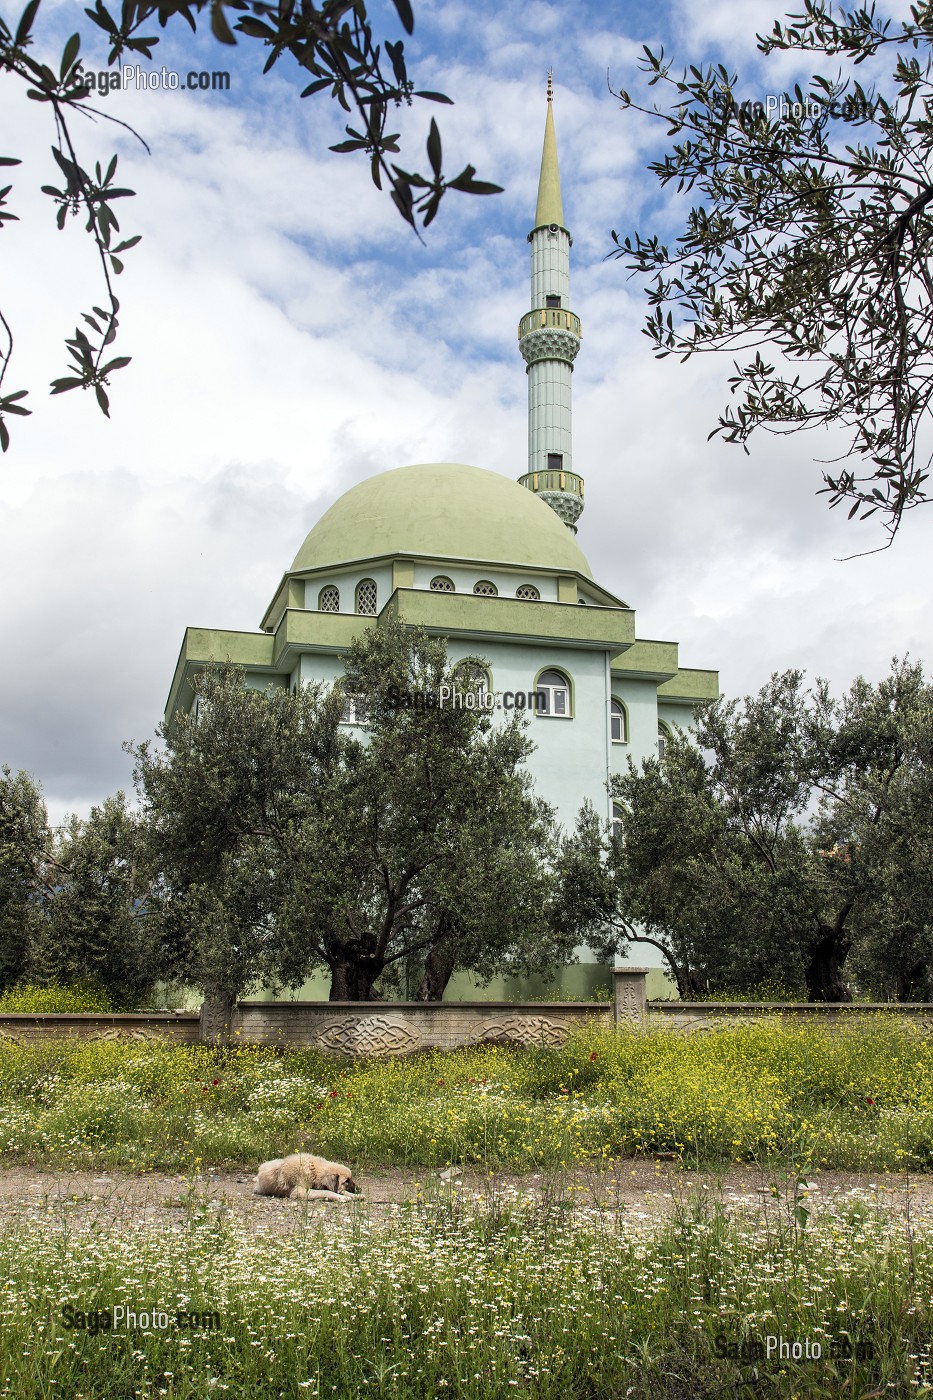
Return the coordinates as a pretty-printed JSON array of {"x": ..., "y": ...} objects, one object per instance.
[
  {"x": 549, "y": 345},
  {"x": 629, "y": 1005},
  {"x": 368, "y": 1035},
  {"x": 530, "y": 1030},
  {"x": 121, "y": 1033}
]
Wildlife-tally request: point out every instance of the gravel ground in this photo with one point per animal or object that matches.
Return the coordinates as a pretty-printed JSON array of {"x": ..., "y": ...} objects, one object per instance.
[{"x": 645, "y": 1190}]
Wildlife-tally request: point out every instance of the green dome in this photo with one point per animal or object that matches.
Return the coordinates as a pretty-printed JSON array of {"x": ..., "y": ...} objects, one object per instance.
[{"x": 442, "y": 510}]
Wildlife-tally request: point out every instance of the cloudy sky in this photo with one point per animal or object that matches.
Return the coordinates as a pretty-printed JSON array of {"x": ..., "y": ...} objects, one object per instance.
[{"x": 290, "y": 336}]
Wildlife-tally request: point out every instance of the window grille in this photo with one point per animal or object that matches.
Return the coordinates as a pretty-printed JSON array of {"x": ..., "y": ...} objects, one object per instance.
[{"x": 366, "y": 597}]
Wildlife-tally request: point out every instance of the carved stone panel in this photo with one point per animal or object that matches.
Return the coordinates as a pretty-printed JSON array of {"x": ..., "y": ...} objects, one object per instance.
[
  {"x": 121, "y": 1033},
  {"x": 530, "y": 1030},
  {"x": 368, "y": 1035}
]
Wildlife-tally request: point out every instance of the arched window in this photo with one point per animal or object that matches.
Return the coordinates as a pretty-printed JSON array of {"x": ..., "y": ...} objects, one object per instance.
[
  {"x": 366, "y": 597},
  {"x": 328, "y": 600},
  {"x": 552, "y": 695},
  {"x": 663, "y": 735},
  {"x": 442, "y": 585},
  {"x": 616, "y": 829},
  {"x": 618, "y": 722},
  {"x": 472, "y": 676},
  {"x": 528, "y": 593},
  {"x": 485, "y": 589}
]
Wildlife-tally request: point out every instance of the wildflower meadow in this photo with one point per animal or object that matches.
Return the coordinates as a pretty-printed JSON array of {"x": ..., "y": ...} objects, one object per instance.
[
  {"x": 468, "y": 1289},
  {"x": 773, "y": 1091}
]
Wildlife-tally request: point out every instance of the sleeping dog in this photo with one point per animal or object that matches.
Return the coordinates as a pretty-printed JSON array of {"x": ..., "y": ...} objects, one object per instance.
[{"x": 304, "y": 1177}]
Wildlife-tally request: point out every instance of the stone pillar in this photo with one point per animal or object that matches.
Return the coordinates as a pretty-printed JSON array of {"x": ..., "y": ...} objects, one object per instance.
[
  {"x": 630, "y": 1003},
  {"x": 217, "y": 1017}
]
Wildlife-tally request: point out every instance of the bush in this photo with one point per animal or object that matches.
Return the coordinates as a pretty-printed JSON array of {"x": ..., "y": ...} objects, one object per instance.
[{"x": 52, "y": 999}]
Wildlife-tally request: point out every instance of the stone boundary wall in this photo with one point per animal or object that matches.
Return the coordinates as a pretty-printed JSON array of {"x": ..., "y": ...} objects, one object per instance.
[
  {"x": 690, "y": 1017},
  {"x": 400, "y": 1027},
  {"x": 26, "y": 1026}
]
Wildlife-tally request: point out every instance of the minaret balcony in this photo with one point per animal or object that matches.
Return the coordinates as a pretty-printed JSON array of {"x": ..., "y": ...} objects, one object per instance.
[
  {"x": 546, "y": 318},
  {"x": 539, "y": 482}
]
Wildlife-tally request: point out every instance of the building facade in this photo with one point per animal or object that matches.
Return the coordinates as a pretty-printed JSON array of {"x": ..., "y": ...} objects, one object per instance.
[{"x": 494, "y": 566}]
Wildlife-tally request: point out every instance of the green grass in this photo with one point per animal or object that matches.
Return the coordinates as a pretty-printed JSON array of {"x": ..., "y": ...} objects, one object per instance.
[
  {"x": 474, "y": 1298},
  {"x": 859, "y": 1096}
]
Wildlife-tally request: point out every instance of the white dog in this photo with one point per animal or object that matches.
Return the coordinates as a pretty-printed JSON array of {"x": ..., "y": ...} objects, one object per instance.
[{"x": 303, "y": 1177}]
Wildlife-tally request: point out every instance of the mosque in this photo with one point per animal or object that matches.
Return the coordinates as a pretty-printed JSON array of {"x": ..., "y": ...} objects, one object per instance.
[{"x": 494, "y": 565}]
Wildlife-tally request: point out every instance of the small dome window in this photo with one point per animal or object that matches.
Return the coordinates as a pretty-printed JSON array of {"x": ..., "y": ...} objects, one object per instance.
[
  {"x": 528, "y": 593},
  {"x": 485, "y": 589},
  {"x": 366, "y": 597},
  {"x": 328, "y": 600},
  {"x": 441, "y": 584}
]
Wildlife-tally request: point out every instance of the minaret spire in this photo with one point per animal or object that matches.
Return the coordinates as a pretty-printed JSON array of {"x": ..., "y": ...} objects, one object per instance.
[
  {"x": 550, "y": 208},
  {"x": 549, "y": 338}
]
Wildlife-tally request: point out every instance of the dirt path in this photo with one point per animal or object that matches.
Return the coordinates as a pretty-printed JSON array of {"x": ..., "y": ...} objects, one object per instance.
[{"x": 644, "y": 1190}]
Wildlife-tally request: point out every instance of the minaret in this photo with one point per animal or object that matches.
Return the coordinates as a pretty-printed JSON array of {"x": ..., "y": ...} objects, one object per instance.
[{"x": 549, "y": 338}]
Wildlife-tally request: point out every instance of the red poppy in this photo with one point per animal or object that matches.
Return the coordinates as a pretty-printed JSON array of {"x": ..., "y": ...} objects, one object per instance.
[
  {"x": 440, "y": 1083},
  {"x": 204, "y": 1090},
  {"x": 333, "y": 1093},
  {"x": 870, "y": 1101},
  {"x": 593, "y": 1055},
  {"x": 215, "y": 1082}
]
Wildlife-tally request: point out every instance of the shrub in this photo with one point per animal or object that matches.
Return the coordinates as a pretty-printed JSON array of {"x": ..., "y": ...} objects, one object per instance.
[{"x": 52, "y": 999}]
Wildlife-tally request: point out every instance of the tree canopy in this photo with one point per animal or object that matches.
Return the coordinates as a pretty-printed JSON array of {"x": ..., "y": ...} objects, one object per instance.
[
  {"x": 786, "y": 841},
  {"x": 75, "y": 902},
  {"x": 806, "y": 250},
  {"x": 287, "y": 842}
]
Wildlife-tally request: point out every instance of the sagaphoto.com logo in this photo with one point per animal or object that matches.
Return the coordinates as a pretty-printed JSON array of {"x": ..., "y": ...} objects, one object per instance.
[
  {"x": 453, "y": 697},
  {"x": 100, "y": 82},
  {"x": 149, "y": 1318}
]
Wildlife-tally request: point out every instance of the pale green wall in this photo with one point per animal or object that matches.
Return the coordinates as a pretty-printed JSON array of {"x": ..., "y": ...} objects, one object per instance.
[
  {"x": 464, "y": 577},
  {"x": 346, "y": 580}
]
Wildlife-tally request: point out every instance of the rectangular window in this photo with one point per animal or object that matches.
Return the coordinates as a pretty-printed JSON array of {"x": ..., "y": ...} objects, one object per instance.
[
  {"x": 552, "y": 302},
  {"x": 555, "y": 461}
]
